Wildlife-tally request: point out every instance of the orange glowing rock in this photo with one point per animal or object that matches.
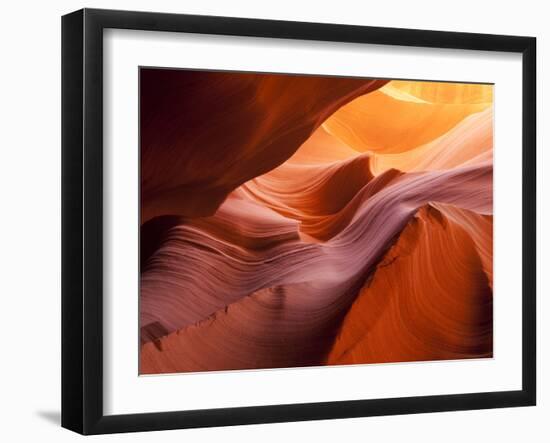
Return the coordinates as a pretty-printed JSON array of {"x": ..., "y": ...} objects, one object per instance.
[
  {"x": 428, "y": 299},
  {"x": 391, "y": 124},
  {"x": 295, "y": 221}
]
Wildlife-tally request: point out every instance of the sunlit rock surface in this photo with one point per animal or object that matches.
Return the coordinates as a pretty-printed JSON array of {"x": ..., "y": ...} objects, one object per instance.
[{"x": 300, "y": 221}]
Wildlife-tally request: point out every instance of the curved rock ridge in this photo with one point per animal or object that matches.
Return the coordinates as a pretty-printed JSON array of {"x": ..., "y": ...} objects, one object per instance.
[
  {"x": 300, "y": 221},
  {"x": 428, "y": 299},
  {"x": 313, "y": 194},
  {"x": 321, "y": 148},
  {"x": 440, "y": 92},
  {"x": 175, "y": 292},
  {"x": 382, "y": 123},
  {"x": 248, "y": 123},
  {"x": 468, "y": 143},
  {"x": 421, "y": 316}
]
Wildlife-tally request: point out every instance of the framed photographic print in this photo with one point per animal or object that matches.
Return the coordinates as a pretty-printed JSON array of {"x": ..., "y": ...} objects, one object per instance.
[{"x": 269, "y": 221}]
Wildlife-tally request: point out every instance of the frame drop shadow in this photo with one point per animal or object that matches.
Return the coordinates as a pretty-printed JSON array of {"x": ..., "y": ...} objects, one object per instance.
[{"x": 51, "y": 416}]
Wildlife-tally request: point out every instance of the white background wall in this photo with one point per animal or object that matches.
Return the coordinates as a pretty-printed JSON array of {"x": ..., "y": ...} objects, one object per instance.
[{"x": 30, "y": 280}]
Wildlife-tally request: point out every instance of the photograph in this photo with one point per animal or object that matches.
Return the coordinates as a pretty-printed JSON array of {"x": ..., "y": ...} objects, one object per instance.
[{"x": 295, "y": 220}]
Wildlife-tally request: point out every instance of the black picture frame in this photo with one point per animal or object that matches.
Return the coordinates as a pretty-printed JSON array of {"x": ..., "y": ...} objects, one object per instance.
[{"x": 82, "y": 220}]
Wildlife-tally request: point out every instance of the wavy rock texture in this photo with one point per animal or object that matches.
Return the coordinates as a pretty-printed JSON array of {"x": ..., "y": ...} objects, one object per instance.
[
  {"x": 469, "y": 143},
  {"x": 428, "y": 298},
  {"x": 389, "y": 123},
  {"x": 283, "y": 226},
  {"x": 247, "y": 123}
]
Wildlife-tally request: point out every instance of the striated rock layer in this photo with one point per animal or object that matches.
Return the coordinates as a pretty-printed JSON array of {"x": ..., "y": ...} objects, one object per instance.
[
  {"x": 203, "y": 134},
  {"x": 296, "y": 221}
]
